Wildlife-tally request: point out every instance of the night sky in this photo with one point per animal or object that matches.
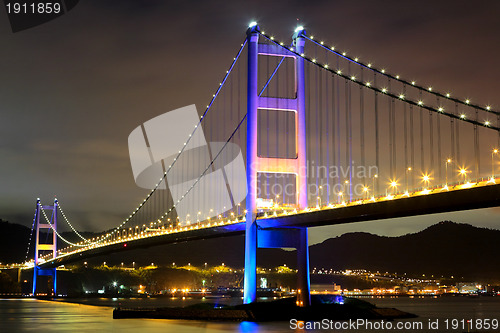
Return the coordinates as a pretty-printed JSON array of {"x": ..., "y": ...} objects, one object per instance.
[{"x": 73, "y": 89}]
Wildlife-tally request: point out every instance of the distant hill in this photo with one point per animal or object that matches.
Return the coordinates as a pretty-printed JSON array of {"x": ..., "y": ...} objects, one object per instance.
[
  {"x": 14, "y": 240},
  {"x": 446, "y": 248}
]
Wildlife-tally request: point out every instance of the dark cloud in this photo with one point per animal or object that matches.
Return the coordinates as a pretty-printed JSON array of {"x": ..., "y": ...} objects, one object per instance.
[{"x": 72, "y": 90}]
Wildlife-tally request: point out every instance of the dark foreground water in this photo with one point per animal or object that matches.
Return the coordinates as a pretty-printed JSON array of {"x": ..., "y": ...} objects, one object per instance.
[{"x": 23, "y": 315}]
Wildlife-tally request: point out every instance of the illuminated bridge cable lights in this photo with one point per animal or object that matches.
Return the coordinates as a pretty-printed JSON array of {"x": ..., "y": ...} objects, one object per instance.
[
  {"x": 116, "y": 231},
  {"x": 71, "y": 226},
  {"x": 209, "y": 166},
  {"x": 439, "y": 108},
  {"x": 55, "y": 231},
  {"x": 401, "y": 97},
  {"x": 31, "y": 236},
  {"x": 398, "y": 78},
  {"x": 219, "y": 88}
]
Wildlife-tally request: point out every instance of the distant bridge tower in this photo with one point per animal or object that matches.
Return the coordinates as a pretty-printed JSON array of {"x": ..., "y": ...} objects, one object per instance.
[
  {"x": 276, "y": 237},
  {"x": 45, "y": 246}
]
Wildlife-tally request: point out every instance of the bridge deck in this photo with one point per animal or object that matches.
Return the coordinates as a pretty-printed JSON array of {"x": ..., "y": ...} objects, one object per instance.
[{"x": 401, "y": 206}]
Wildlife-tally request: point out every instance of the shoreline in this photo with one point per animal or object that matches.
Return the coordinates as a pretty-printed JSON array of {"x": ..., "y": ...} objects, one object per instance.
[{"x": 283, "y": 309}]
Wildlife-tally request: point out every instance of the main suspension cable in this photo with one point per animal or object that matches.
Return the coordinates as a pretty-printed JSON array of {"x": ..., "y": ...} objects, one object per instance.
[
  {"x": 399, "y": 79},
  {"x": 71, "y": 226},
  {"x": 59, "y": 235}
]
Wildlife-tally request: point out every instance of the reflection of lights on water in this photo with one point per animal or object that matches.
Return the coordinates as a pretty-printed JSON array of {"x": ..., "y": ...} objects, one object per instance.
[{"x": 248, "y": 326}]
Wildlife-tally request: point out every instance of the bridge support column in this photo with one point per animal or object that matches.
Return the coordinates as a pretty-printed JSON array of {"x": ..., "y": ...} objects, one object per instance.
[
  {"x": 303, "y": 278},
  {"x": 296, "y": 165},
  {"x": 37, "y": 271},
  {"x": 292, "y": 238},
  {"x": 301, "y": 172},
  {"x": 250, "y": 277}
]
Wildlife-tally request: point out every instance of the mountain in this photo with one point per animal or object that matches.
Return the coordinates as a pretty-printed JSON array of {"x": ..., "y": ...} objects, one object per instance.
[
  {"x": 14, "y": 239},
  {"x": 446, "y": 248}
]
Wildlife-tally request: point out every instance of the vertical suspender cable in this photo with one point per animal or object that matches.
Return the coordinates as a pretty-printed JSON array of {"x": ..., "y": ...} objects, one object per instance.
[
  {"x": 349, "y": 116},
  {"x": 155, "y": 207},
  {"x": 392, "y": 134},
  {"x": 394, "y": 142},
  {"x": 337, "y": 111},
  {"x": 228, "y": 155},
  {"x": 346, "y": 112},
  {"x": 405, "y": 133},
  {"x": 431, "y": 141},
  {"x": 347, "y": 135},
  {"x": 197, "y": 193},
  {"x": 391, "y": 128},
  {"x": 457, "y": 127},
  {"x": 412, "y": 146},
  {"x": 350, "y": 141},
  {"x": 452, "y": 138},
  {"x": 422, "y": 157},
  {"x": 476, "y": 146},
  {"x": 239, "y": 132},
  {"x": 238, "y": 100},
  {"x": 327, "y": 138},
  {"x": 440, "y": 162},
  {"x": 309, "y": 123},
  {"x": 362, "y": 125},
  {"x": 377, "y": 160},
  {"x": 268, "y": 189},
  {"x": 286, "y": 92},
  {"x": 277, "y": 119},
  {"x": 321, "y": 161},
  {"x": 334, "y": 133},
  {"x": 230, "y": 181},
  {"x": 317, "y": 122}
]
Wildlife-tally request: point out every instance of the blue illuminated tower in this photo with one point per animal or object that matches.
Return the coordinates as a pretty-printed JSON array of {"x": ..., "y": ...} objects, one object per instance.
[
  {"x": 297, "y": 165},
  {"x": 46, "y": 227}
]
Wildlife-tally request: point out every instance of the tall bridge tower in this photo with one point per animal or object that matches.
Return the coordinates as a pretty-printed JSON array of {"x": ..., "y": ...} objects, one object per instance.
[
  {"x": 297, "y": 165},
  {"x": 49, "y": 244}
]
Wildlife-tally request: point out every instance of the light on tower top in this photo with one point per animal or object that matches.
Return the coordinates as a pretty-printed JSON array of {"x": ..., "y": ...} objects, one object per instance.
[
  {"x": 299, "y": 28},
  {"x": 252, "y": 24}
]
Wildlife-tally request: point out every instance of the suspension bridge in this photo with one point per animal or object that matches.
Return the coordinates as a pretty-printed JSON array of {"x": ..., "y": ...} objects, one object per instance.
[{"x": 299, "y": 134}]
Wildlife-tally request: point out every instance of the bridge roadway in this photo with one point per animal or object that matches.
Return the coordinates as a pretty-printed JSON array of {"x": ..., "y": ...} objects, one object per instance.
[{"x": 481, "y": 195}]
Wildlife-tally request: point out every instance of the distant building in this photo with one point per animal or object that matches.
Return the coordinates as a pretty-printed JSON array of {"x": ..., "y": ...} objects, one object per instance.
[
  {"x": 326, "y": 288},
  {"x": 467, "y": 287}
]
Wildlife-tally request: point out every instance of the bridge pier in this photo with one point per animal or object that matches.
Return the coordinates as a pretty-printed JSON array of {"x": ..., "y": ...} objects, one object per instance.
[
  {"x": 303, "y": 279},
  {"x": 291, "y": 238},
  {"x": 51, "y": 272}
]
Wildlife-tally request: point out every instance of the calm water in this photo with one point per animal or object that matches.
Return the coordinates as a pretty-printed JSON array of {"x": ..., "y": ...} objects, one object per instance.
[
  {"x": 444, "y": 307},
  {"x": 23, "y": 315}
]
